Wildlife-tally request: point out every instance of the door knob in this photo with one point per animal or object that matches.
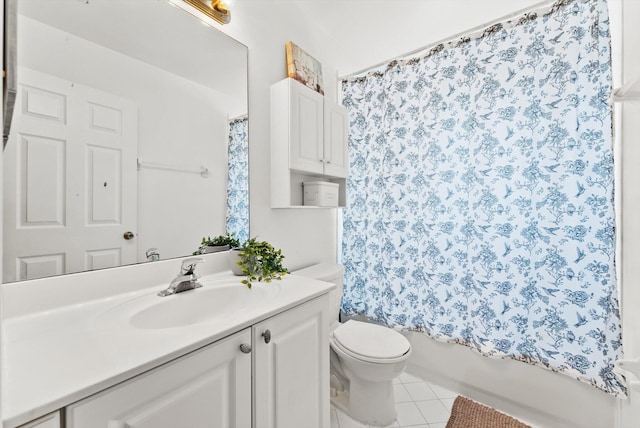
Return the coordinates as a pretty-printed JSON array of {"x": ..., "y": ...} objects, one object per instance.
[
  {"x": 267, "y": 336},
  {"x": 245, "y": 348},
  {"x": 128, "y": 236}
]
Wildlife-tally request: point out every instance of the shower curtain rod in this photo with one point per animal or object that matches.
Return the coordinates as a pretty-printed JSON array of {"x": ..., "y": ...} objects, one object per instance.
[{"x": 534, "y": 8}]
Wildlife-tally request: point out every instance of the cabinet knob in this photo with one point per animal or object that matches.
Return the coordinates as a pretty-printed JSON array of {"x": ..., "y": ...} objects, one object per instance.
[
  {"x": 267, "y": 336},
  {"x": 245, "y": 348}
]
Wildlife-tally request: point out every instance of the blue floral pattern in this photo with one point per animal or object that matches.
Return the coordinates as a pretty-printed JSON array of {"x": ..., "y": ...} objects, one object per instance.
[
  {"x": 238, "y": 183},
  {"x": 480, "y": 201}
]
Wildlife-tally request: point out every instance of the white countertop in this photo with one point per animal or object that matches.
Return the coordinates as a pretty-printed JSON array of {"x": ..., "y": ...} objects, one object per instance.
[{"x": 55, "y": 357}]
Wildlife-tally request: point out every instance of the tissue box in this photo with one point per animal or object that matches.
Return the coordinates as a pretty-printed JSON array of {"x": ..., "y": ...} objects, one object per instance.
[{"x": 320, "y": 193}]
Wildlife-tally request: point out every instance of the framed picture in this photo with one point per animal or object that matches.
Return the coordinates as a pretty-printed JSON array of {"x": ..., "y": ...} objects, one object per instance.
[{"x": 304, "y": 68}]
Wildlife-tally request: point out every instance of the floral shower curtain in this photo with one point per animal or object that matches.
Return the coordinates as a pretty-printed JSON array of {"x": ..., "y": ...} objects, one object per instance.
[
  {"x": 238, "y": 182},
  {"x": 480, "y": 203}
]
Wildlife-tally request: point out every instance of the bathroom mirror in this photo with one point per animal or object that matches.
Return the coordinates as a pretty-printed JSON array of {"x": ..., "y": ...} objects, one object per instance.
[{"x": 120, "y": 138}]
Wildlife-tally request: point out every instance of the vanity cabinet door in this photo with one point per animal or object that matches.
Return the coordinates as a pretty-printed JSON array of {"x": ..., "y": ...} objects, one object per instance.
[
  {"x": 210, "y": 387},
  {"x": 291, "y": 368},
  {"x": 52, "y": 420}
]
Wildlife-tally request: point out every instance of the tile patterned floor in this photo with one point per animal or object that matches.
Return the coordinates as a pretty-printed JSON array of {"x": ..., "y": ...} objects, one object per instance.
[{"x": 419, "y": 404}]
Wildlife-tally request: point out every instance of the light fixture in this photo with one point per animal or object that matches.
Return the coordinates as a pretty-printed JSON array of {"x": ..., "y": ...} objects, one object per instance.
[{"x": 214, "y": 9}]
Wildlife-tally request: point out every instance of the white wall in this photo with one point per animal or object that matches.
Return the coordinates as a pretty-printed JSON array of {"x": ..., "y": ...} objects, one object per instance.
[
  {"x": 630, "y": 133},
  {"x": 167, "y": 106},
  {"x": 2, "y": 368},
  {"x": 627, "y": 157}
]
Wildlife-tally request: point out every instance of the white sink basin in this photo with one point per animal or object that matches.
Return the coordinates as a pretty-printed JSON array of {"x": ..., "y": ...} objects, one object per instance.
[{"x": 187, "y": 308}]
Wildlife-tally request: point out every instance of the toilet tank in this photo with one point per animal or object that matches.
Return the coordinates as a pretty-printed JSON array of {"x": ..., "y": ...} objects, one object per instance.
[{"x": 328, "y": 272}]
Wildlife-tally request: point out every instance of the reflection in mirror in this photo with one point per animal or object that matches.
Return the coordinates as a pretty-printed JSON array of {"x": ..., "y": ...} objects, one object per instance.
[{"x": 130, "y": 122}]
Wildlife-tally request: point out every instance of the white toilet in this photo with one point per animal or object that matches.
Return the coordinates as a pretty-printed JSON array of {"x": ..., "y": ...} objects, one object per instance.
[{"x": 365, "y": 357}]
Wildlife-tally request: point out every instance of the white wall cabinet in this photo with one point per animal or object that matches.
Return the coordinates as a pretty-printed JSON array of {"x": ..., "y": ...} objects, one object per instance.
[
  {"x": 210, "y": 387},
  {"x": 292, "y": 368},
  {"x": 309, "y": 142}
]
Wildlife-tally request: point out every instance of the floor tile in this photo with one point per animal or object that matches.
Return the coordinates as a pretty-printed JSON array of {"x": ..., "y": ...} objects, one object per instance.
[
  {"x": 419, "y": 404},
  {"x": 407, "y": 378},
  {"x": 401, "y": 394},
  {"x": 392, "y": 425},
  {"x": 408, "y": 414},
  {"x": 442, "y": 392},
  {"x": 334, "y": 419},
  {"x": 433, "y": 411},
  {"x": 448, "y": 403},
  {"x": 420, "y": 391},
  {"x": 345, "y": 421}
]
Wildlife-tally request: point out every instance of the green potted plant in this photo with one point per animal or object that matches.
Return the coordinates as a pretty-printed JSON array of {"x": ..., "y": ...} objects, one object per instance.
[
  {"x": 219, "y": 243},
  {"x": 258, "y": 261}
]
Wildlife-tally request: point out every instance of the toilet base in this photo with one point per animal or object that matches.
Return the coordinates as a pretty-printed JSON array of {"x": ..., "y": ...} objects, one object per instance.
[{"x": 371, "y": 403}]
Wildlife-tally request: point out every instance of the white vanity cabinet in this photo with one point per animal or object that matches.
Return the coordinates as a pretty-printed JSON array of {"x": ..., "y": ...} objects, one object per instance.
[
  {"x": 204, "y": 363},
  {"x": 210, "y": 387},
  {"x": 280, "y": 364},
  {"x": 291, "y": 368},
  {"x": 309, "y": 142}
]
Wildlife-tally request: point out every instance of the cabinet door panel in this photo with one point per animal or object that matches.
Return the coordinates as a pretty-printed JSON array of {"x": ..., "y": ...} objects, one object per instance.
[
  {"x": 210, "y": 387},
  {"x": 336, "y": 135},
  {"x": 52, "y": 420},
  {"x": 306, "y": 129},
  {"x": 291, "y": 372}
]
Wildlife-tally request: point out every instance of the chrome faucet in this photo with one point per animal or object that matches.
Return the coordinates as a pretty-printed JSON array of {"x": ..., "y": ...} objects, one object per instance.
[
  {"x": 152, "y": 255},
  {"x": 186, "y": 280}
]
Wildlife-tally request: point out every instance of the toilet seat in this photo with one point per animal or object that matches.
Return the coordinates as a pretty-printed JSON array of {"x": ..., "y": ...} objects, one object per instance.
[{"x": 370, "y": 342}]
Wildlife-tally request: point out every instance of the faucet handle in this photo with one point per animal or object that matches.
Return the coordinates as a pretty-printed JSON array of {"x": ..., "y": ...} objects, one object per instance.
[
  {"x": 152, "y": 255},
  {"x": 189, "y": 265}
]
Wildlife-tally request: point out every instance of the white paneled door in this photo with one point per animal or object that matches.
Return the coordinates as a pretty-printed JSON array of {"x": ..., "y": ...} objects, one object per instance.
[{"x": 70, "y": 180}]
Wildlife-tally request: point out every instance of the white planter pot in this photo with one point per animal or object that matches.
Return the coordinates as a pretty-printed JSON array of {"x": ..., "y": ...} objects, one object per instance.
[
  {"x": 215, "y": 248},
  {"x": 234, "y": 258}
]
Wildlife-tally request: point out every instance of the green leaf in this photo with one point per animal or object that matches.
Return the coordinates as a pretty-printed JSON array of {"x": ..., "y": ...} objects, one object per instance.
[{"x": 260, "y": 261}]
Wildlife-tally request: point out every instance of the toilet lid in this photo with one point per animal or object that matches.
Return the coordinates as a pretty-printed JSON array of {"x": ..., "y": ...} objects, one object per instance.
[{"x": 371, "y": 340}]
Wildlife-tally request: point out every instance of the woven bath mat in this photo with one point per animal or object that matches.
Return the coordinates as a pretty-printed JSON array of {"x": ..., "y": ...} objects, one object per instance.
[{"x": 466, "y": 413}]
